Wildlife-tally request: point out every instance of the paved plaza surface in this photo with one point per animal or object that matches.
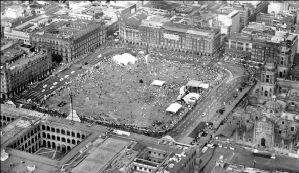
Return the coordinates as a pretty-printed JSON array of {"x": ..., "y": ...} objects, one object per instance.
[{"x": 125, "y": 94}]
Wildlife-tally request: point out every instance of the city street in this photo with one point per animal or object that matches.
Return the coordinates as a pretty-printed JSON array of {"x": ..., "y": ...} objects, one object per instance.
[
  {"x": 209, "y": 105},
  {"x": 63, "y": 77}
]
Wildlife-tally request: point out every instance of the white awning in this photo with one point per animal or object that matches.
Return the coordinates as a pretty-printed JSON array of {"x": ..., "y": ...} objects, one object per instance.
[
  {"x": 197, "y": 84},
  {"x": 158, "y": 82},
  {"x": 124, "y": 59},
  {"x": 73, "y": 116},
  {"x": 194, "y": 83},
  {"x": 174, "y": 107},
  {"x": 183, "y": 90}
]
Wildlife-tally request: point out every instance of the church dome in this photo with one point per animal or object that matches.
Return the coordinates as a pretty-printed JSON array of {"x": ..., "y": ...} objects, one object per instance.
[{"x": 273, "y": 106}]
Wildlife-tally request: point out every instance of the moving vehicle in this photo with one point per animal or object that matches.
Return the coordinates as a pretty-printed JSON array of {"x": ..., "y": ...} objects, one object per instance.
[
  {"x": 61, "y": 79},
  {"x": 43, "y": 90},
  {"x": 55, "y": 83},
  {"x": 45, "y": 86},
  {"x": 52, "y": 87},
  {"x": 66, "y": 76},
  {"x": 72, "y": 72}
]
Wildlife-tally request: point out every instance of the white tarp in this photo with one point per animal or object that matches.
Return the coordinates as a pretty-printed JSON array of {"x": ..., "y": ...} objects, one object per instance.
[
  {"x": 4, "y": 155},
  {"x": 174, "y": 107},
  {"x": 183, "y": 90},
  {"x": 191, "y": 98},
  {"x": 197, "y": 84},
  {"x": 73, "y": 116},
  {"x": 124, "y": 59},
  {"x": 158, "y": 83},
  {"x": 204, "y": 85}
]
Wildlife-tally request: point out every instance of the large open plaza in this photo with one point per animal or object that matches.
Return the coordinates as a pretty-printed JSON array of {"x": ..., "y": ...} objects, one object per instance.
[{"x": 124, "y": 93}]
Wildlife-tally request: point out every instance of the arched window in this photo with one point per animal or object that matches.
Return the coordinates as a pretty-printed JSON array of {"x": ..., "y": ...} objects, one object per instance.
[{"x": 266, "y": 93}]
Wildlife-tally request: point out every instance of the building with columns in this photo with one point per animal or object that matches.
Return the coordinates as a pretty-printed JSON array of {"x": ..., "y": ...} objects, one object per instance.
[
  {"x": 158, "y": 29},
  {"x": 35, "y": 141},
  {"x": 19, "y": 68},
  {"x": 70, "y": 39},
  {"x": 258, "y": 42}
]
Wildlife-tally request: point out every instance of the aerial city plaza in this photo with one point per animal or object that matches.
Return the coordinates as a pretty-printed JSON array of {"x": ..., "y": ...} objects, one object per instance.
[{"x": 149, "y": 86}]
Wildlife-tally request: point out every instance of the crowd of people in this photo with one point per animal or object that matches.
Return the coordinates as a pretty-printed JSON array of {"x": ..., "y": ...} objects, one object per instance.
[{"x": 104, "y": 86}]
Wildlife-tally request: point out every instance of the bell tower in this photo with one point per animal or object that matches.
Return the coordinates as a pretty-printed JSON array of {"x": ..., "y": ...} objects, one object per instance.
[{"x": 268, "y": 83}]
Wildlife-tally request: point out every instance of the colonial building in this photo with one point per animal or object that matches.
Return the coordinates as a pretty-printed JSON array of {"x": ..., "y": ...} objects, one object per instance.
[
  {"x": 29, "y": 136},
  {"x": 19, "y": 68},
  {"x": 160, "y": 31},
  {"x": 70, "y": 39},
  {"x": 256, "y": 44}
]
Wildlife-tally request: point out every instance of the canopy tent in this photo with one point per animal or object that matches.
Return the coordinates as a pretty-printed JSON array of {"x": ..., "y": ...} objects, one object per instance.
[
  {"x": 174, "y": 107},
  {"x": 73, "y": 116},
  {"x": 158, "y": 83},
  {"x": 194, "y": 83},
  {"x": 124, "y": 59},
  {"x": 197, "y": 84},
  {"x": 183, "y": 90},
  {"x": 191, "y": 98}
]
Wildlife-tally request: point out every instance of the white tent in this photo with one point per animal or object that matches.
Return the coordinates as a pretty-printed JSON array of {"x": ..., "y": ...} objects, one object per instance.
[
  {"x": 124, "y": 59},
  {"x": 197, "y": 84},
  {"x": 174, "y": 107},
  {"x": 191, "y": 98},
  {"x": 4, "y": 155},
  {"x": 183, "y": 90},
  {"x": 73, "y": 116},
  {"x": 158, "y": 83}
]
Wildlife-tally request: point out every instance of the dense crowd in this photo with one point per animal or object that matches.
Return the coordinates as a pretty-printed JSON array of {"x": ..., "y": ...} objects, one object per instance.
[{"x": 177, "y": 68}]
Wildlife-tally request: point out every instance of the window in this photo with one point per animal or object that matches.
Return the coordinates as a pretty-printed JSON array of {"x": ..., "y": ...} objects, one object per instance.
[
  {"x": 58, "y": 138},
  {"x": 282, "y": 122},
  {"x": 292, "y": 129},
  {"x": 249, "y": 139}
]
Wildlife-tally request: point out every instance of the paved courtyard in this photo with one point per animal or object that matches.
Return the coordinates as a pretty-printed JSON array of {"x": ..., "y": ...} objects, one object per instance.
[{"x": 124, "y": 94}]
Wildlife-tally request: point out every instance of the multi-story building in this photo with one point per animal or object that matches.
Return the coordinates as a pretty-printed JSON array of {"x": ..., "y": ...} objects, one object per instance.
[
  {"x": 77, "y": 148},
  {"x": 255, "y": 7},
  {"x": 258, "y": 44},
  {"x": 19, "y": 68},
  {"x": 22, "y": 31},
  {"x": 231, "y": 19},
  {"x": 243, "y": 11},
  {"x": 70, "y": 39},
  {"x": 283, "y": 20},
  {"x": 160, "y": 30}
]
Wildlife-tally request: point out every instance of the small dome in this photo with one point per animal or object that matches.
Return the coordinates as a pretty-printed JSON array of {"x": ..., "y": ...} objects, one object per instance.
[{"x": 273, "y": 106}]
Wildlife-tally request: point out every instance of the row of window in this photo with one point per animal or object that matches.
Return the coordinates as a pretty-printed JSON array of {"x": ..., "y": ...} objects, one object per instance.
[{"x": 63, "y": 131}]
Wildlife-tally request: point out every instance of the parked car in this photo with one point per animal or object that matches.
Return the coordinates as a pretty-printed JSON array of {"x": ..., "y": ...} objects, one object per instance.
[
  {"x": 52, "y": 87},
  {"x": 66, "y": 76},
  {"x": 43, "y": 90},
  {"x": 203, "y": 114},
  {"x": 55, "y": 83},
  {"x": 45, "y": 86},
  {"x": 72, "y": 72}
]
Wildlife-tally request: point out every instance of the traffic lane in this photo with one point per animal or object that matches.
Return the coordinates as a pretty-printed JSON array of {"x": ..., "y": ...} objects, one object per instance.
[
  {"x": 59, "y": 84},
  {"x": 36, "y": 94},
  {"x": 188, "y": 127}
]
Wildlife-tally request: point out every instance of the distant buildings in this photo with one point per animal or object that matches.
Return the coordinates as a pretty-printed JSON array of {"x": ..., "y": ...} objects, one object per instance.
[
  {"x": 70, "y": 39},
  {"x": 157, "y": 29},
  {"x": 282, "y": 21},
  {"x": 258, "y": 42},
  {"x": 76, "y": 147},
  {"x": 254, "y": 7},
  {"x": 20, "y": 67}
]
